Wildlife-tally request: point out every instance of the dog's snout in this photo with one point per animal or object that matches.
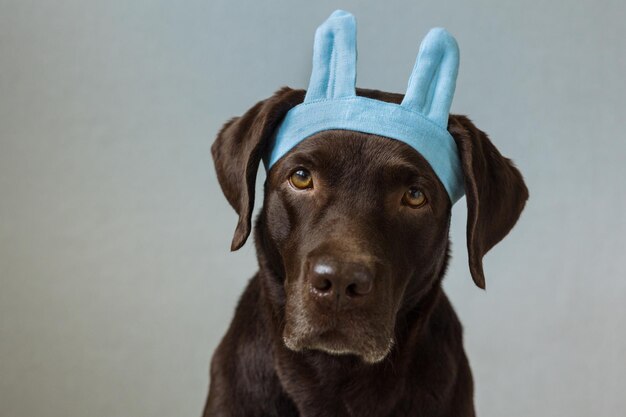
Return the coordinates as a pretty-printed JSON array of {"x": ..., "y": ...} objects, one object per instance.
[{"x": 344, "y": 281}]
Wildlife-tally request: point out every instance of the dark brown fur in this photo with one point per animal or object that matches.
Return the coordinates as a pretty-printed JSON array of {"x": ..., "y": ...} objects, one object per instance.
[{"x": 354, "y": 216}]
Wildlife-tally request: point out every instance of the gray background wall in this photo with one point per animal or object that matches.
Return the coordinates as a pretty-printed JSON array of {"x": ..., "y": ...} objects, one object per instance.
[{"x": 116, "y": 282}]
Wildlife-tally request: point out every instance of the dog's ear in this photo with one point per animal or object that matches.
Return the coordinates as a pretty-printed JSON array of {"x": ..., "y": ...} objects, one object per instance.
[
  {"x": 238, "y": 149},
  {"x": 494, "y": 189}
]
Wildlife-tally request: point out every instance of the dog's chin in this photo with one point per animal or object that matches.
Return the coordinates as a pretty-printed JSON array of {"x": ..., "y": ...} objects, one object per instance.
[{"x": 333, "y": 342}]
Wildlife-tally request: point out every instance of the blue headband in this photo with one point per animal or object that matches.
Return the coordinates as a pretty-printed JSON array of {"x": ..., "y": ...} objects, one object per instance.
[{"x": 420, "y": 121}]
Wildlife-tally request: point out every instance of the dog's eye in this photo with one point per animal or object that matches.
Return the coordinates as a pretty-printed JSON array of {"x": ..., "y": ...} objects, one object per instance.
[
  {"x": 301, "y": 179},
  {"x": 414, "y": 197}
]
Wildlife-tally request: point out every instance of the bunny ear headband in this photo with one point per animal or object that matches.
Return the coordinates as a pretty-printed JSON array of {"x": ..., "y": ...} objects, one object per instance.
[{"x": 420, "y": 121}]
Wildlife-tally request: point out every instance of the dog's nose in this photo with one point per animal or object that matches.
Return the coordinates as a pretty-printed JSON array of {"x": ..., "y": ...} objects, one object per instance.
[{"x": 334, "y": 279}]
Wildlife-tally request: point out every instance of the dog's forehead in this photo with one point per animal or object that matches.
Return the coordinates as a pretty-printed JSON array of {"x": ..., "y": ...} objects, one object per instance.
[{"x": 346, "y": 150}]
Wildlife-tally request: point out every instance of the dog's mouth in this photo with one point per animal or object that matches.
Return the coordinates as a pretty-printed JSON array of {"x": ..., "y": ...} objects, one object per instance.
[
  {"x": 363, "y": 327},
  {"x": 371, "y": 344}
]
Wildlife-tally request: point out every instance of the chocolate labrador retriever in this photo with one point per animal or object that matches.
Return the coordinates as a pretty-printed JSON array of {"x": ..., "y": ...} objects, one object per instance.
[{"x": 347, "y": 316}]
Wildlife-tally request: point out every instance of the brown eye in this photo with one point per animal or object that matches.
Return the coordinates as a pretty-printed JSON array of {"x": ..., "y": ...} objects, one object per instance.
[
  {"x": 414, "y": 197},
  {"x": 301, "y": 179}
]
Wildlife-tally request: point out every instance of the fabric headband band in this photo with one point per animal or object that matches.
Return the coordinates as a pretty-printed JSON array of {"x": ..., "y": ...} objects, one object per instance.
[{"x": 420, "y": 121}]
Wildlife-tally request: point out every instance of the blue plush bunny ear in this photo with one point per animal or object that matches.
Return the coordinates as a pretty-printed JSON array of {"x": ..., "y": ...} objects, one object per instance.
[
  {"x": 432, "y": 82},
  {"x": 334, "y": 59},
  {"x": 420, "y": 121}
]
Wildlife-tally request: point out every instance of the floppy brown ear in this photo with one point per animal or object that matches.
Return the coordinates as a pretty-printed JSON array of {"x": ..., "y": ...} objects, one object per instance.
[
  {"x": 494, "y": 189},
  {"x": 238, "y": 149}
]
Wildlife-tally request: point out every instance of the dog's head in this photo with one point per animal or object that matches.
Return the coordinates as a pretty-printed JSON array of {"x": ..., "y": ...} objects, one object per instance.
[{"x": 354, "y": 227}]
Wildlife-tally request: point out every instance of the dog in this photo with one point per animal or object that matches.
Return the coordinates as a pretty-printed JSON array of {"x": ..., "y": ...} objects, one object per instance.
[{"x": 346, "y": 315}]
